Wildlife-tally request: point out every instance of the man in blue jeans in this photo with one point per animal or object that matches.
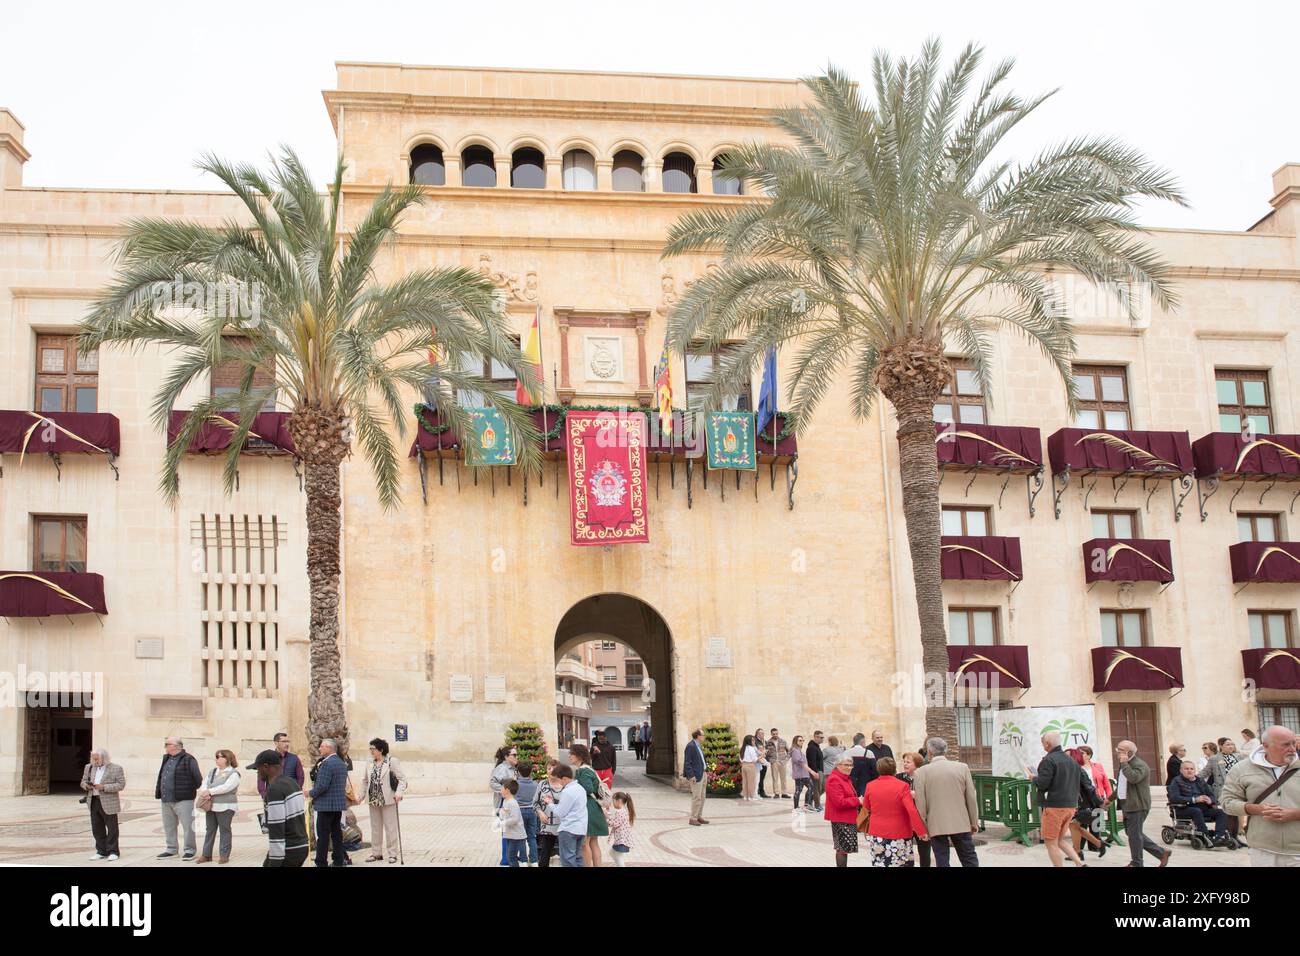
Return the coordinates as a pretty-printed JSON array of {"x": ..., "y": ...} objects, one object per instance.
[{"x": 569, "y": 813}]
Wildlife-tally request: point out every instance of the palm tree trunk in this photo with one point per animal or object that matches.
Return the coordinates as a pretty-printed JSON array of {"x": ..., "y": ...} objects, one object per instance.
[
  {"x": 911, "y": 376},
  {"x": 318, "y": 437}
]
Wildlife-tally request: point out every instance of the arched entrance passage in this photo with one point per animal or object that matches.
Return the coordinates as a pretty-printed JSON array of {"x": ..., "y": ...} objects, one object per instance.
[{"x": 630, "y": 621}]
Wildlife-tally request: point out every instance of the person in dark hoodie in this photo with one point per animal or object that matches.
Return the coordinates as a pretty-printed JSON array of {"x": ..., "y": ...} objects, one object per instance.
[
  {"x": 603, "y": 760},
  {"x": 178, "y": 782}
]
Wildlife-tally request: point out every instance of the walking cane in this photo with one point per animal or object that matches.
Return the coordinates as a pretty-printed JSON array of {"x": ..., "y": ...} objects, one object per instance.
[{"x": 401, "y": 850}]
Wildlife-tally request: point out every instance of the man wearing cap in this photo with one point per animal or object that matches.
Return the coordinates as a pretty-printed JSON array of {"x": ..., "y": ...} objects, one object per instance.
[{"x": 286, "y": 812}]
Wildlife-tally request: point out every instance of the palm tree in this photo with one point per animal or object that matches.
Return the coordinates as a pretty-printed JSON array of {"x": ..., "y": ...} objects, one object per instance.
[
  {"x": 891, "y": 234},
  {"x": 343, "y": 351}
]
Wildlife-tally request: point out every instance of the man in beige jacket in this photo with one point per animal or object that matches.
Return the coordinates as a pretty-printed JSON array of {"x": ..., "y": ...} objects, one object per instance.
[
  {"x": 945, "y": 797},
  {"x": 103, "y": 780},
  {"x": 1275, "y": 817}
]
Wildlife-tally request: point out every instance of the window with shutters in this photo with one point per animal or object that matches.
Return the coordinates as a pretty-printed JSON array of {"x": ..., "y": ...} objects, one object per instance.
[
  {"x": 229, "y": 375},
  {"x": 66, "y": 381},
  {"x": 239, "y": 621}
]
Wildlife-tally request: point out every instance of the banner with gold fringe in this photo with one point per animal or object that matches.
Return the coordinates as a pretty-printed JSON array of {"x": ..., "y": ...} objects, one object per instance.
[
  {"x": 490, "y": 441},
  {"x": 730, "y": 441},
  {"x": 606, "y": 452}
]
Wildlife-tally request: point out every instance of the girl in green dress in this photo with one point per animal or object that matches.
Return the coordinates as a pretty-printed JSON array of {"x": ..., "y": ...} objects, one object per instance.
[{"x": 597, "y": 827}]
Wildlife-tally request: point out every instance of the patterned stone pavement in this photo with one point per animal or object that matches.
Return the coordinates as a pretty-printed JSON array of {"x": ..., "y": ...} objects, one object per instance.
[{"x": 457, "y": 831}]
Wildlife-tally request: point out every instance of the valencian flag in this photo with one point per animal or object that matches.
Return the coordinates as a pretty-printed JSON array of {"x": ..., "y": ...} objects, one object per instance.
[
  {"x": 664, "y": 391},
  {"x": 533, "y": 353},
  {"x": 489, "y": 441},
  {"x": 730, "y": 440},
  {"x": 607, "y": 502}
]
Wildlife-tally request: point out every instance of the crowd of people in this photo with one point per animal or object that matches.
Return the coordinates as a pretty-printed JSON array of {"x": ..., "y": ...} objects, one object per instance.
[{"x": 920, "y": 806}]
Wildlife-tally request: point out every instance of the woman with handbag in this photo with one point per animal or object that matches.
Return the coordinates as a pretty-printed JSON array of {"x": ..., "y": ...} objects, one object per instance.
[
  {"x": 218, "y": 798},
  {"x": 843, "y": 806},
  {"x": 597, "y": 794},
  {"x": 385, "y": 787}
]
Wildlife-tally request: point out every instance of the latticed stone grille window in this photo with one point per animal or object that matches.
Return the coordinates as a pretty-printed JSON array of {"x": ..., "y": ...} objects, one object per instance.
[{"x": 238, "y": 558}]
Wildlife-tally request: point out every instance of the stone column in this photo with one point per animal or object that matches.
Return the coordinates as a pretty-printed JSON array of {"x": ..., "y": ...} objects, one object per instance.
[
  {"x": 604, "y": 175},
  {"x": 503, "y": 172},
  {"x": 652, "y": 174},
  {"x": 451, "y": 170},
  {"x": 704, "y": 178},
  {"x": 554, "y": 174}
]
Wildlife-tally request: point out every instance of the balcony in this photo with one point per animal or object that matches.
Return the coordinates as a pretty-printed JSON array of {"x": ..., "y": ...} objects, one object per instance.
[
  {"x": 972, "y": 558},
  {"x": 269, "y": 434},
  {"x": 1008, "y": 664},
  {"x": 51, "y": 593},
  {"x": 1136, "y": 668},
  {"x": 1271, "y": 668},
  {"x": 567, "y": 667},
  {"x": 575, "y": 705},
  {"x": 55, "y": 434},
  {"x": 1121, "y": 455},
  {"x": 992, "y": 449},
  {"x": 1265, "y": 562},
  {"x": 1229, "y": 456},
  {"x": 1128, "y": 559}
]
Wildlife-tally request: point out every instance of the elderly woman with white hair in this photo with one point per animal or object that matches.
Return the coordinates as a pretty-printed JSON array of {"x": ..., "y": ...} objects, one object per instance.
[{"x": 103, "y": 780}]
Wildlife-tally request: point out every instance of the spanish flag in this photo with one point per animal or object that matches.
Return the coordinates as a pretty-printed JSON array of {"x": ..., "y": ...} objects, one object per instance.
[
  {"x": 533, "y": 353},
  {"x": 664, "y": 391}
]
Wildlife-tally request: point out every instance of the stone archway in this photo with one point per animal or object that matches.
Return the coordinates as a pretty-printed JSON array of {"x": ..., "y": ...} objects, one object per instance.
[{"x": 631, "y": 621}]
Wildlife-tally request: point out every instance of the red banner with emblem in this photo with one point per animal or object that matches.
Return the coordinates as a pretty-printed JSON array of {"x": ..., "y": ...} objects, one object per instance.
[{"x": 607, "y": 502}]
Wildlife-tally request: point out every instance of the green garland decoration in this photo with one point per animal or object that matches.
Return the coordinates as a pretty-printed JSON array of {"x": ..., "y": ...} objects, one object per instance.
[{"x": 421, "y": 410}]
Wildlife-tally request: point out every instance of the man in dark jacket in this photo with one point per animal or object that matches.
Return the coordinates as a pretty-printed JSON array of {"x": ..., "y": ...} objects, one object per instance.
[
  {"x": 290, "y": 765},
  {"x": 178, "y": 782},
  {"x": 1192, "y": 799},
  {"x": 329, "y": 800},
  {"x": 813, "y": 754},
  {"x": 696, "y": 774},
  {"x": 864, "y": 765},
  {"x": 1133, "y": 793},
  {"x": 1058, "y": 779}
]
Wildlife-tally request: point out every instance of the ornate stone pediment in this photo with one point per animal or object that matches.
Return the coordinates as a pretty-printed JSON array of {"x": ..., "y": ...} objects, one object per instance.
[{"x": 515, "y": 287}]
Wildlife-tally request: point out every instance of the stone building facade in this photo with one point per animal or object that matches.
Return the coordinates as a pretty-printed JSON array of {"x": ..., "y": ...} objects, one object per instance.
[{"x": 780, "y": 598}]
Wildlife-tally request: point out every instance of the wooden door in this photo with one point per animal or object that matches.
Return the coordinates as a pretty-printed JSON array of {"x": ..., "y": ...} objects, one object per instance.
[
  {"x": 1137, "y": 722},
  {"x": 36, "y": 752}
]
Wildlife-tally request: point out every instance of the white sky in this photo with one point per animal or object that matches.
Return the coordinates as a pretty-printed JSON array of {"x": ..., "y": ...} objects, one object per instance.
[{"x": 129, "y": 95}]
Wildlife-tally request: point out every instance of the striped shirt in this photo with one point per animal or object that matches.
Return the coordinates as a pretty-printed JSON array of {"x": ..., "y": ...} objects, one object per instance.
[{"x": 286, "y": 817}]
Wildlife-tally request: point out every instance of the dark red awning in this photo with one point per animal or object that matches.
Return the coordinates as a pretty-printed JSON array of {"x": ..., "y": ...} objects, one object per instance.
[
  {"x": 38, "y": 433},
  {"x": 1272, "y": 562},
  {"x": 1271, "y": 668},
  {"x": 50, "y": 593},
  {"x": 990, "y": 447},
  {"x": 1115, "y": 452},
  {"x": 1265, "y": 456},
  {"x": 1136, "y": 668},
  {"x": 1128, "y": 559},
  {"x": 973, "y": 558},
  {"x": 1010, "y": 662},
  {"x": 270, "y": 432}
]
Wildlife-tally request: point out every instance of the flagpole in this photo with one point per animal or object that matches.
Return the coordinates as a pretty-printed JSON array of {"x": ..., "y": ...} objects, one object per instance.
[{"x": 541, "y": 373}]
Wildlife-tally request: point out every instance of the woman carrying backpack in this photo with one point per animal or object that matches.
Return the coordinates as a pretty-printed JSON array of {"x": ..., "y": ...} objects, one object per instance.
[{"x": 597, "y": 794}]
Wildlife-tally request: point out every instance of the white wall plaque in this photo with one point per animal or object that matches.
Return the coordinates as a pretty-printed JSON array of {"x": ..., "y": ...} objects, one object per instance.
[
  {"x": 149, "y": 648},
  {"x": 718, "y": 654},
  {"x": 494, "y": 688},
  {"x": 603, "y": 358},
  {"x": 462, "y": 688}
]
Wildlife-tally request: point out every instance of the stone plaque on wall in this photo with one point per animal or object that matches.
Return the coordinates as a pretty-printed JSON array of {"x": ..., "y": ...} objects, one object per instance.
[
  {"x": 462, "y": 688},
  {"x": 494, "y": 688},
  {"x": 603, "y": 358},
  {"x": 149, "y": 648},
  {"x": 718, "y": 654}
]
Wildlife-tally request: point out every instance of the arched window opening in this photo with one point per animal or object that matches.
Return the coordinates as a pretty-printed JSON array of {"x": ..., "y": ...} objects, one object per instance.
[
  {"x": 679, "y": 173},
  {"x": 528, "y": 169},
  {"x": 579, "y": 170},
  {"x": 628, "y": 172},
  {"x": 427, "y": 167},
  {"x": 724, "y": 185},
  {"x": 477, "y": 167}
]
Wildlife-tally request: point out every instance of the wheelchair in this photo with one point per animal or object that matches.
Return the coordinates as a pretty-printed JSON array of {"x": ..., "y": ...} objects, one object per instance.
[{"x": 1181, "y": 828}]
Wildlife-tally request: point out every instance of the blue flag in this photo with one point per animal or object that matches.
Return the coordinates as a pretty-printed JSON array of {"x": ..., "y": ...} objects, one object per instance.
[{"x": 767, "y": 393}]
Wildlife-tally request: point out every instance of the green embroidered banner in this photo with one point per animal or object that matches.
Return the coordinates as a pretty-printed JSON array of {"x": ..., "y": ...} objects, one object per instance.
[
  {"x": 489, "y": 441},
  {"x": 731, "y": 441}
]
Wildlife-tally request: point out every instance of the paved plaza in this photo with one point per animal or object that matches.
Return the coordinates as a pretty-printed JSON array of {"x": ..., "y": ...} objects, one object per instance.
[{"x": 457, "y": 831}]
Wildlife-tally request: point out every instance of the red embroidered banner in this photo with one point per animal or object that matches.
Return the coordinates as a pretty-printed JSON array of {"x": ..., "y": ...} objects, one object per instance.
[{"x": 607, "y": 501}]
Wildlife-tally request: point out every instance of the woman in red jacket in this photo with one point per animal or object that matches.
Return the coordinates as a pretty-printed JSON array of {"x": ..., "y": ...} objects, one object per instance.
[
  {"x": 894, "y": 819},
  {"x": 842, "y": 803}
]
